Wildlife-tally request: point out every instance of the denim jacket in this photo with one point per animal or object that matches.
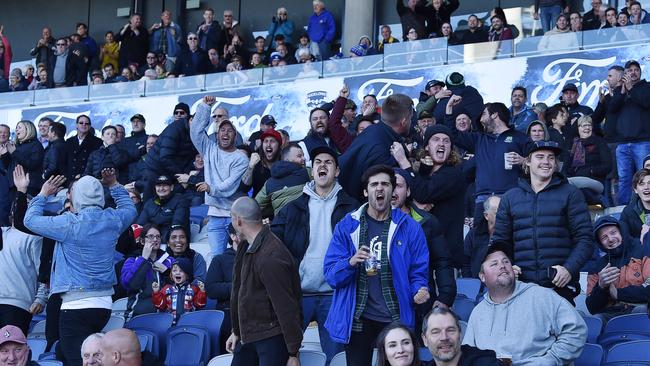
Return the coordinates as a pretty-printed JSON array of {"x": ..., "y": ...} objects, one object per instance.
[{"x": 85, "y": 242}]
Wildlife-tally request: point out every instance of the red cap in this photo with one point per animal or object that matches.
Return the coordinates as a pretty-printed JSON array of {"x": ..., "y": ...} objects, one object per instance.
[
  {"x": 137, "y": 230},
  {"x": 11, "y": 333},
  {"x": 272, "y": 133}
]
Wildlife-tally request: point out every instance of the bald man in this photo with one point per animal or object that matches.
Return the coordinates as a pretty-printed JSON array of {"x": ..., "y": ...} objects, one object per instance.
[
  {"x": 276, "y": 283},
  {"x": 120, "y": 347}
]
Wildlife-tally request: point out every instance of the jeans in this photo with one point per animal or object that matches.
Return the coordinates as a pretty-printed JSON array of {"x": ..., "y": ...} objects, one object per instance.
[
  {"x": 548, "y": 15},
  {"x": 267, "y": 352},
  {"x": 359, "y": 351},
  {"x": 629, "y": 159},
  {"x": 13, "y": 315},
  {"x": 74, "y": 327},
  {"x": 316, "y": 308},
  {"x": 218, "y": 234}
]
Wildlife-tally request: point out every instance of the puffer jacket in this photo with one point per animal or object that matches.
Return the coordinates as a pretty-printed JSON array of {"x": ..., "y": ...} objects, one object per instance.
[
  {"x": 29, "y": 154},
  {"x": 108, "y": 157},
  {"x": 285, "y": 185},
  {"x": 165, "y": 213},
  {"x": 633, "y": 217},
  {"x": 136, "y": 277},
  {"x": 551, "y": 227},
  {"x": 54, "y": 159},
  {"x": 174, "y": 152}
]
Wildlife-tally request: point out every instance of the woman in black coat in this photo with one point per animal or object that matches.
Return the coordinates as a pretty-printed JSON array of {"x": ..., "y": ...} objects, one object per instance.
[{"x": 27, "y": 152}]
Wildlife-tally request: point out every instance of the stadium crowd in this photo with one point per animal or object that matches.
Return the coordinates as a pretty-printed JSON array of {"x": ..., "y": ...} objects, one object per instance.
[{"x": 358, "y": 226}]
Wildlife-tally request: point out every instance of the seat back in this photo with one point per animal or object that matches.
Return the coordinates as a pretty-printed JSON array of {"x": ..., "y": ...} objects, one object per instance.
[
  {"x": 157, "y": 323},
  {"x": 339, "y": 360},
  {"x": 211, "y": 320},
  {"x": 225, "y": 360},
  {"x": 148, "y": 341},
  {"x": 592, "y": 355},
  {"x": 630, "y": 351},
  {"x": 470, "y": 287},
  {"x": 39, "y": 328},
  {"x": 50, "y": 363},
  {"x": 463, "y": 307},
  {"x": 312, "y": 358},
  {"x": 115, "y": 322},
  {"x": 594, "y": 328},
  {"x": 625, "y": 328},
  {"x": 37, "y": 346},
  {"x": 187, "y": 345},
  {"x": 311, "y": 339}
]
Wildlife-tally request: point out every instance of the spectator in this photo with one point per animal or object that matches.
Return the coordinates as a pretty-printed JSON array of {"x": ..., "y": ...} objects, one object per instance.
[
  {"x": 616, "y": 287},
  {"x": 521, "y": 115},
  {"x": 134, "y": 42},
  {"x": 591, "y": 160},
  {"x": 128, "y": 74},
  {"x": 178, "y": 247},
  {"x": 91, "y": 349},
  {"x": 230, "y": 29},
  {"x": 192, "y": 61},
  {"x": 29, "y": 73},
  {"x": 110, "y": 50},
  {"x": 109, "y": 155},
  {"x": 120, "y": 347},
  {"x": 281, "y": 25},
  {"x": 194, "y": 182},
  {"x": 43, "y": 131},
  {"x": 610, "y": 17},
  {"x": 42, "y": 82},
  {"x": 562, "y": 242},
  {"x": 401, "y": 277},
  {"x": 440, "y": 184},
  {"x": 144, "y": 266},
  {"x": 267, "y": 122},
  {"x": 135, "y": 146},
  {"x": 475, "y": 33},
  {"x": 386, "y": 38},
  {"x": 633, "y": 217},
  {"x": 396, "y": 345},
  {"x": 575, "y": 22},
  {"x": 166, "y": 36},
  {"x": 547, "y": 11},
  {"x": 442, "y": 335},
  {"x": 557, "y": 117},
  {"x": 373, "y": 146},
  {"x": 5, "y": 53},
  {"x": 471, "y": 102},
  {"x": 438, "y": 14},
  {"x": 23, "y": 296},
  {"x": 637, "y": 14},
  {"x": 271, "y": 297},
  {"x": 79, "y": 147},
  {"x": 540, "y": 109},
  {"x": 152, "y": 61},
  {"x": 14, "y": 349},
  {"x": 322, "y": 28},
  {"x": 365, "y": 42},
  {"x": 26, "y": 152},
  {"x": 591, "y": 19},
  {"x": 623, "y": 19},
  {"x": 413, "y": 17},
  {"x": 54, "y": 160},
  {"x": 369, "y": 107},
  {"x": 224, "y": 169},
  {"x": 541, "y": 328},
  {"x": 44, "y": 49},
  {"x": 476, "y": 245},
  {"x": 89, "y": 42},
  {"x": 219, "y": 115},
  {"x": 4, "y": 83},
  {"x": 343, "y": 110},
  {"x": 209, "y": 32},
  {"x": 261, "y": 161},
  {"x": 66, "y": 68},
  {"x": 183, "y": 294},
  {"x": 630, "y": 103},
  {"x": 412, "y": 35},
  {"x": 319, "y": 134},
  {"x": 84, "y": 272},
  {"x": 570, "y": 97},
  {"x": 306, "y": 45},
  {"x": 167, "y": 209},
  {"x": 499, "y": 31},
  {"x": 537, "y": 131},
  {"x": 216, "y": 65},
  {"x": 5, "y": 133},
  {"x": 305, "y": 226},
  {"x": 433, "y": 91},
  {"x": 17, "y": 81},
  {"x": 110, "y": 76},
  {"x": 448, "y": 32}
]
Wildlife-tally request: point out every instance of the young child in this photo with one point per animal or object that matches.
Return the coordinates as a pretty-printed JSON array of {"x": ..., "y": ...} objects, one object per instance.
[{"x": 181, "y": 295}]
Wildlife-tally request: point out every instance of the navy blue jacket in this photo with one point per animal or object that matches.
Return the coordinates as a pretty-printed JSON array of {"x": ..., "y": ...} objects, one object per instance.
[
  {"x": 108, "y": 157},
  {"x": 472, "y": 104},
  {"x": 314, "y": 140},
  {"x": 173, "y": 211},
  {"x": 286, "y": 174},
  {"x": 633, "y": 217},
  {"x": 218, "y": 281},
  {"x": 30, "y": 155},
  {"x": 190, "y": 64},
  {"x": 291, "y": 225},
  {"x": 174, "y": 152},
  {"x": 602, "y": 113},
  {"x": 370, "y": 148},
  {"x": 55, "y": 159},
  {"x": 134, "y": 146},
  {"x": 633, "y": 109},
  {"x": 551, "y": 227},
  {"x": 77, "y": 155}
]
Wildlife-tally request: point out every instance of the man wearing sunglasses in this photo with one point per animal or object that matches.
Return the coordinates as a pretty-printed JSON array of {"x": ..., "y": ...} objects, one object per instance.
[{"x": 193, "y": 60}]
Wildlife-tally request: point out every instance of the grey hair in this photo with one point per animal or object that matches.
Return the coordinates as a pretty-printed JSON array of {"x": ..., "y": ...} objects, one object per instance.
[
  {"x": 487, "y": 204},
  {"x": 439, "y": 311},
  {"x": 247, "y": 209},
  {"x": 90, "y": 338}
]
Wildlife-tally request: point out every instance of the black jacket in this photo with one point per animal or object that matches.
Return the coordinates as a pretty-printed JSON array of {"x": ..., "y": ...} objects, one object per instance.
[
  {"x": 633, "y": 109},
  {"x": 551, "y": 227},
  {"x": 174, "y": 152},
  {"x": 436, "y": 18},
  {"x": 218, "y": 282},
  {"x": 76, "y": 71},
  {"x": 135, "y": 146},
  {"x": 604, "y": 113},
  {"x": 108, "y": 157},
  {"x": 133, "y": 48},
  {"x": 55, "y": 159},
  {"x": 30, "y": 155},
  {"x": 472, "y": 356},
  {"x": 185, "y": 65},
  {"x": 314, "y": 140},
  {"x": 77, "y": 155},
  {"x": 213, "y": 37},
  {"x": 598, "y": 160},
  {"x": 412, "y": 19},
  {"x": 174, "y": 211},
  {"x": 633, "y": 217},
  {"x": 291, "y": 225}
]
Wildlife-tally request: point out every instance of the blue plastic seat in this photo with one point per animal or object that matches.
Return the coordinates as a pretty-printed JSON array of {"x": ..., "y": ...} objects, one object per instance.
[
  {"x": 469, "y": 287},
  {"x": 114, "y": 322},
  {"x": 198, "y": 214},
  {"x": 592, "y": 355},
  {"x": 594, "y": 328},
  {"x": 157, "y": 323},
  {"x": 630, "y": 351},
  {"x": 312, "y": 358},
  {"x": 211, "y": 320},
  {"x": 37, "y": 346},
  {"x": 148, "y": 341},
  {"x": 625, "y": 328},
  {"x": 338, "y": 360},
  {"x": 226, "y": 360},
  {"x": 187, "y": 345},
  {"x": 463, "y": 307},
  {"x": 50, "y": 363}
]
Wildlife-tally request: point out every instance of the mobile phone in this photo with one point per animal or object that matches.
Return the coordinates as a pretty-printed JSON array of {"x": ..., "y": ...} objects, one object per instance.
[{"x": 552, "y": 272}]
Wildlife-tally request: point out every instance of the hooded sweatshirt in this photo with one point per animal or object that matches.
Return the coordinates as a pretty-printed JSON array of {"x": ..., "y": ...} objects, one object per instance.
[
  {"x": 19, "y": 261},
  {"x": 87, "y": 192},
  {"x": 534, "y": 326},
  {"x": 312, "y": 278}
]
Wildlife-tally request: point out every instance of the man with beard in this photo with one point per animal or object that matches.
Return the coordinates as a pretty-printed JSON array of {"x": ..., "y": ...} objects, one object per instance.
[
  {"x": 570, "y": 97},
  {"x": 372, "y": 147},
  {"x": 266, "y": 123},
  {"x": 371, "y": 287},
  {"x": 318, "y": 134},
  {"x": 521, "y": 115},
  {"x": 474, "y": 33},
  {"x": 441, "y": 334},
  {"x": 619, "y": 285},
  {"x": 261, "y": 161},
  {"x": 523, "y": 322},
  {"x": 224, "y": 168},
  {"x": 498, "y": 31}
]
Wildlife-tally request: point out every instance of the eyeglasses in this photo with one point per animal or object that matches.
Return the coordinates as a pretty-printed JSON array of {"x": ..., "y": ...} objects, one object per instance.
[
  {"x": 83, "y": 123},
  {"x": 218, "y": 115},
  {"x": 153, "y": 237},
  {"x": 180, "y": 112},
  {"x": 192, "y": 38},
  {"x": 282, "y": 13},
  {"x": 60, "y": 44}
]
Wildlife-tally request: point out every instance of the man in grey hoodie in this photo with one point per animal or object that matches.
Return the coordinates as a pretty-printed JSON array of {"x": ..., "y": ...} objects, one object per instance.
[
  {"x": 524, "y": 322},
  {"x": 224, "y": 167},
  {"x": 305, "y": 226}
]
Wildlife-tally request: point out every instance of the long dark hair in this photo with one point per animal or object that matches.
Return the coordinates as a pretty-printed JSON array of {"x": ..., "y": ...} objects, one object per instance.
[{"x": 381, "y": 347}]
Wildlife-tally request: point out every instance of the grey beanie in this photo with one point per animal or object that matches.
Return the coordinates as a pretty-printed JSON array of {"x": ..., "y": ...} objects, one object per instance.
[{"x": 87, "y": 192}]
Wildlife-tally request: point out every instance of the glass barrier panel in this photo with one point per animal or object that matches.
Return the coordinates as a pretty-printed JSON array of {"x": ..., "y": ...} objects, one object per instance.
[
  {"x": 184, "y": 84},
  {"x": 421, "y": 44},
  {"x": 283, "y": 73},
  {"x": 132, "y": 89},
  {"x": 73, "y": 94},
  {"x": 352, "y": 66},
  {"x": 226, "y": 80},
  {"x": 548, "y": 43},
  {"x": 416, "y": 54},
  {"x": 617, "y": 36},
  {"x": 16, "y": 99},
  {"x": 484, "y": 51}
]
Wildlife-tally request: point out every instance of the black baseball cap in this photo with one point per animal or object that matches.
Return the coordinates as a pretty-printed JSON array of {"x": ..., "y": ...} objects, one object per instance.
[
  {"x": 138, "y": 116},
  {"x": 164, "y": 179},
  {"x": 544, "y": 145},
  {"x": 433, "y": 83},
  {"x": 324, "y": 150},
  {"x": 268, "y": 120},
  {"x": 632, "y": 63},
  {"x": 570, "y": 87}
]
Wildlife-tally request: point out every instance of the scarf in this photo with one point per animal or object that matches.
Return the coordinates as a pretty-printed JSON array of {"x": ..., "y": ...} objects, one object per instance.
[{"x": 578, "y": 153}]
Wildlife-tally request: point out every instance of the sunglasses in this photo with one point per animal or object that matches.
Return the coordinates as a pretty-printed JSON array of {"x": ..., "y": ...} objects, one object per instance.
[
  {"x": 180, "y": 112},
  {"x": 218, "y": 115},
  {"x": 60, "y": 44},
  {"x": 192, "y": 38},
  {"x": 83, "y": 123}
]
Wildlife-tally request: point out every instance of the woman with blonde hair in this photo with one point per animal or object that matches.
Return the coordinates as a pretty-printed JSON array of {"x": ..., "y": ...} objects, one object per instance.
[{"x": 28, "y": 152}]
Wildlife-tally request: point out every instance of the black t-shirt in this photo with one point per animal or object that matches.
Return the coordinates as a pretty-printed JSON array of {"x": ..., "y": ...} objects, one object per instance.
[{"x": 376, "y": 308}]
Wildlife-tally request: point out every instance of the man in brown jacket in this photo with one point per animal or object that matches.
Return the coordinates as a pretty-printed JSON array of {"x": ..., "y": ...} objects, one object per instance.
[{"x": 265, "y": 301}]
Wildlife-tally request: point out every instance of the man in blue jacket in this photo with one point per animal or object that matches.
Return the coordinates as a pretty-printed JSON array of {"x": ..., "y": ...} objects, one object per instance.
[
  {"x": 377, "y": 263},
  {"x": 322, "y": 28}
]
